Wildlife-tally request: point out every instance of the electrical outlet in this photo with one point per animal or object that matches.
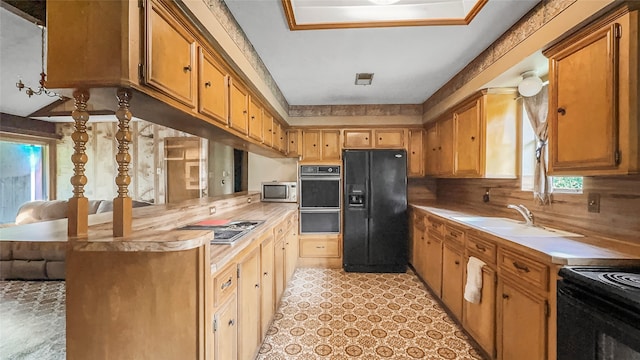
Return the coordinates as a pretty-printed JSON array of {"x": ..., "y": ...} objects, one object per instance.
[
  {"x": 212, "y": 210},
  {"x": 593, "y": 203}
]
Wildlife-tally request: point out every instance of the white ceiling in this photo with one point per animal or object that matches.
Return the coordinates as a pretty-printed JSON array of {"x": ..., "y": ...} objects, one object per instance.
[
  {"x": 20, "y": 48},
  {"x": 318, "y": 67}
]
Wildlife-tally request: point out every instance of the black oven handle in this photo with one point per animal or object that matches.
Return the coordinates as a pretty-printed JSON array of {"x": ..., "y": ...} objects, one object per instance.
[{"x": 321, "y": 178}]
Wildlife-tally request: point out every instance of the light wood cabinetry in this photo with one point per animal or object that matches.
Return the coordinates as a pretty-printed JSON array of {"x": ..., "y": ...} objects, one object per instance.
[
  {"x": 453, "y": 270},
  {"x": 170, "y": 56},
  {"x": 267, "y": 129},
  {"x": 213, "y": 88},
  {"x": 225, "y": 344},
  {"x": 311, "y": 145},
  {"x": 268, "y": 305},
  {"x": 279, "y": 269},
  {"x": 293, "y": 143},
  {"x": 278, "y": 137},
  {"x": 445, "y": 146},
  {"x": 415, "y": 153},
  {"x": 330, "y": 144},
  {"x": 419, "y": 239},
  {"x": 224, "y": 284},
  {"x": 291, "y": 246},
  {"x": 357, "y": 139},
  {"x": 249, "y": 330},
  {"x": 389, "y": 138},
  {"x": 432, "y": 153},
  {"x": 255, "y": 119},
  {"x": 433, "y": 255},
  {"x": 239, "y": 107},
  {"x": 593, "y": 120},
  {"x": 317, "y": 250},
  {"x": 467, "y": 139},
  {"x": 320, "y": 145}
]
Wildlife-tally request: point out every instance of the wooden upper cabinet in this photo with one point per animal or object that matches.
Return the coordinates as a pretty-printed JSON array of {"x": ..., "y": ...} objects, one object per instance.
[
  {"x": 593, "y": 99},
  {"x": 293, "y": 143},
  {"x": 267, "y": 129},
  {"x": 170, "y": 56},
  {"x": 279, "y": 141},
  {"x": 238, "y": 104},
  {"x": 357, "y": 139},
  {"x": 213, "y": 88},
  {"x": 432, "y": 154},
  {"x": 415, "y": 152},
  {"x": 445, "y": 146},
  {"x": 255, "y": 119},
  {"x": 467, "y": 139},
  {"x": 389, "y": 139},
  {"x": 310, "y": 145},
  {"x": 330, "y": 145}
]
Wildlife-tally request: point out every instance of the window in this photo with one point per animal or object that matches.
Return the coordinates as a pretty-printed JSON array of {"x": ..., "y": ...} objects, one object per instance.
[
  {"x": 559, "y": 184},
  {"x": 24, "y": 174}
]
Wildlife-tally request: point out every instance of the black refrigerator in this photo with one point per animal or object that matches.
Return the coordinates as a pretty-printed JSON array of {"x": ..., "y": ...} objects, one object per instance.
[{"x": 375, "y": 211}]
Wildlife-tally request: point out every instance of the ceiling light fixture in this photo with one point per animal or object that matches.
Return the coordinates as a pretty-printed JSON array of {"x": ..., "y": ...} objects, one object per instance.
[
  {"x": 384, "y": 2},
  {"x": 530, "y": 85},
  {"x": 364, "y": 78},
  {"x": 41, "y": 89}
]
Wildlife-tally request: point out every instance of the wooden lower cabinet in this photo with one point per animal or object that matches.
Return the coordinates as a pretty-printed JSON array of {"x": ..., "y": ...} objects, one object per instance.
[
  {"x": 267, "y": 302},
  {"x": 291, "y": 248},
  {"x": 479, "y": 319},
  {"x": 419, "y": 245},
  {"x": 522, "y": 323},
  {"x": 225, "y": 342},
  {"x": 453, "y": 274},
  {"x": 249, "y": 330},
  {"x": 278, "y": 268}
]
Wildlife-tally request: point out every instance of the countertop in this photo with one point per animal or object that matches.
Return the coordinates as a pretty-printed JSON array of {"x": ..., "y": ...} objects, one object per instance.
[{"x": 556, "y": 250}]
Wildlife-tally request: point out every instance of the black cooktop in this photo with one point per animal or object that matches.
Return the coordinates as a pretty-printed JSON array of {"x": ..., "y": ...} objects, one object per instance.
[{"x": 617, "y": 284}]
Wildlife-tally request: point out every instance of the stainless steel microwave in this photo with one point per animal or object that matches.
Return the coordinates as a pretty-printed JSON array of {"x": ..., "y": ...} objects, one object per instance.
[{"x": 280, "y": 191}]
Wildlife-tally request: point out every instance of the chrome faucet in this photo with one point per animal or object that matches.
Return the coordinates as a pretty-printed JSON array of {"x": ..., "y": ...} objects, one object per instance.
[{"x": 526, "y": 214}]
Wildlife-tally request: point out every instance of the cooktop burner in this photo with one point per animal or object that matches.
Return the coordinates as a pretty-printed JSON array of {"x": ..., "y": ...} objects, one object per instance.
[{"x": 621, "y": 278}]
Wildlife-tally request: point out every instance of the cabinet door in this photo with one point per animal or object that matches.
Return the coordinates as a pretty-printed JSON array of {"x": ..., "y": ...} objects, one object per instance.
[
  {"x": 292, "y": 143},
  {"x": 267, "y": 308},
  {"x": 480, "y": 319},
  {"x": 331, "y": 145},
  {"x": 310, "y": 145},
  {"x": 249, "y": 331},
  {"x": 432, "y": 154},
  {"x": 522, "y": 324},
  {"x": 277, "y": 136},
  {"x": 225, "y": 340},
  {"x": 583, "y": 104},
  {"x": 213, "y": 89},
  {"x": 239, "y": 103},
  {"x": 267, "y": 129},
  {"x": 291, "y": 252},
  {"x": 357, "y": 139},
  {"x": 170, "y": 56},
  {"x": 445, "y": 147},
  {"x": 278, "y": 269},
  {"x": 390, "y": 139},
  {"x": 453, "y": 271},
  {"x": 467, "y": 140},
  {"x": 255, "y": 119},
  {"x": 419, "y": 249},
  {"x": 416, "y": 147},
  {"x": 433, "y": 264}
]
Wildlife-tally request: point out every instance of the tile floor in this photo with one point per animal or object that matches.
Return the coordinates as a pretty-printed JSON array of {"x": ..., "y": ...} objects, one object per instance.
[
  {"x": 331, "y": 314},
  {"x": 324, "y": 314}
]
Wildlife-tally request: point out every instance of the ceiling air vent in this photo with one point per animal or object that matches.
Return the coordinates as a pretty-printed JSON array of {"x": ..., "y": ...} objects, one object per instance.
[{"x": 364, "y": 78}]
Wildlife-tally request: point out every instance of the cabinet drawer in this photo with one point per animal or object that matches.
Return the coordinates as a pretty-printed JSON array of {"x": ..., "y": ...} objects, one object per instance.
[
  {"x": 526, "y": 269},
  {"x": 319, "y": 248},
  {"x": 435, "y": 227},
  {"x": 224, "y": 284},
  {"x": 481, "y": 248},
  {"x": 454, "y": 234}
]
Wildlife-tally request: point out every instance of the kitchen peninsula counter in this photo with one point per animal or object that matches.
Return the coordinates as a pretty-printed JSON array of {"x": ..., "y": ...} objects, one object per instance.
[{"x": 585, "y": 250}]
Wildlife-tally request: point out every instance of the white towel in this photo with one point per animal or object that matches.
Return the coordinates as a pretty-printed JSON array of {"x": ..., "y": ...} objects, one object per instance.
[{"x": 473, "y": 287}]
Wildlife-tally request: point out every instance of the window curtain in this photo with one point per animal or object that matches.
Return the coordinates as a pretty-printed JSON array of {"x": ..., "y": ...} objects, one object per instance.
[{"x": 537, "y": 107}]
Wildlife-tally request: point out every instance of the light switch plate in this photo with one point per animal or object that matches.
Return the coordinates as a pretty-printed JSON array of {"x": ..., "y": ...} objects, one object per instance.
[{"x": 593, "y": 203}]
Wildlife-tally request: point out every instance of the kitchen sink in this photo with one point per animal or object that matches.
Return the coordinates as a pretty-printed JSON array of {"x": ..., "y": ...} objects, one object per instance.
[
  {"x": 512, "y": 228},
  {"x": 226, "y": 232}
]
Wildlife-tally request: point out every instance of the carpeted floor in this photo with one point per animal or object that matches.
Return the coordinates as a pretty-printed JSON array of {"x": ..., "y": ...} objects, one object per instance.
[
  {"x": 331, "y": 314},
  {"x": 32, "y": 320},
  {"x": 324, "y": 314}
]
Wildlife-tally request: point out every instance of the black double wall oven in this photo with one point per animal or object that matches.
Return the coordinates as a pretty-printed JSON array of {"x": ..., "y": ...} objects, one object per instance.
[{"x": 320, "y": 199}]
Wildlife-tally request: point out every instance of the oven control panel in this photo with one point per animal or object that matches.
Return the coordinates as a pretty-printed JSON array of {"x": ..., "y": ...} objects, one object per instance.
[{"x": 319, "y": 170}]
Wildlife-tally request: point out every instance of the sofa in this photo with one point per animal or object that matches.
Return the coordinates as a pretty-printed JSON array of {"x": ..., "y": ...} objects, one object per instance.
[{"x": 21, "y": 260}]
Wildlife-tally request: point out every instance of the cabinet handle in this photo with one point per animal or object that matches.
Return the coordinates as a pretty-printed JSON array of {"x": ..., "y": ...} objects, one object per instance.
[
  {"x": 257, "y": 286},
  {"x": 244, "y": 111},
  {"x": 226, "y": 285},
  {"x": 253, "y": 117},
  {"x": 473, "y": 138},
  {"x": 319, "y": 247},
  {"x": 314, "y": 145},
  {"x": 366, "y": 138},
  {"x": 481, "y": 248},
  {"x": 521, "y": 267},
  {"x": 453, "y": 234},
  {"x": 380, "y": 139},
  {"x": 439, "y": 147},
  {"x": 187, "y": 68},
  {"x": 434, "y": 149},
  {"x": 327, "y": 145},
  {"x": 457, "y": 262},
  {"x": 266, "y": 273},
  {"x": 232, "y": 322},
  {"x": 429, "y": 242},
  {"x": 562, "y": 111},
  {"x": 207, "y": 84},
  {"x": 505, "y": 296},
  {"x": 413, "y": 152}
]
